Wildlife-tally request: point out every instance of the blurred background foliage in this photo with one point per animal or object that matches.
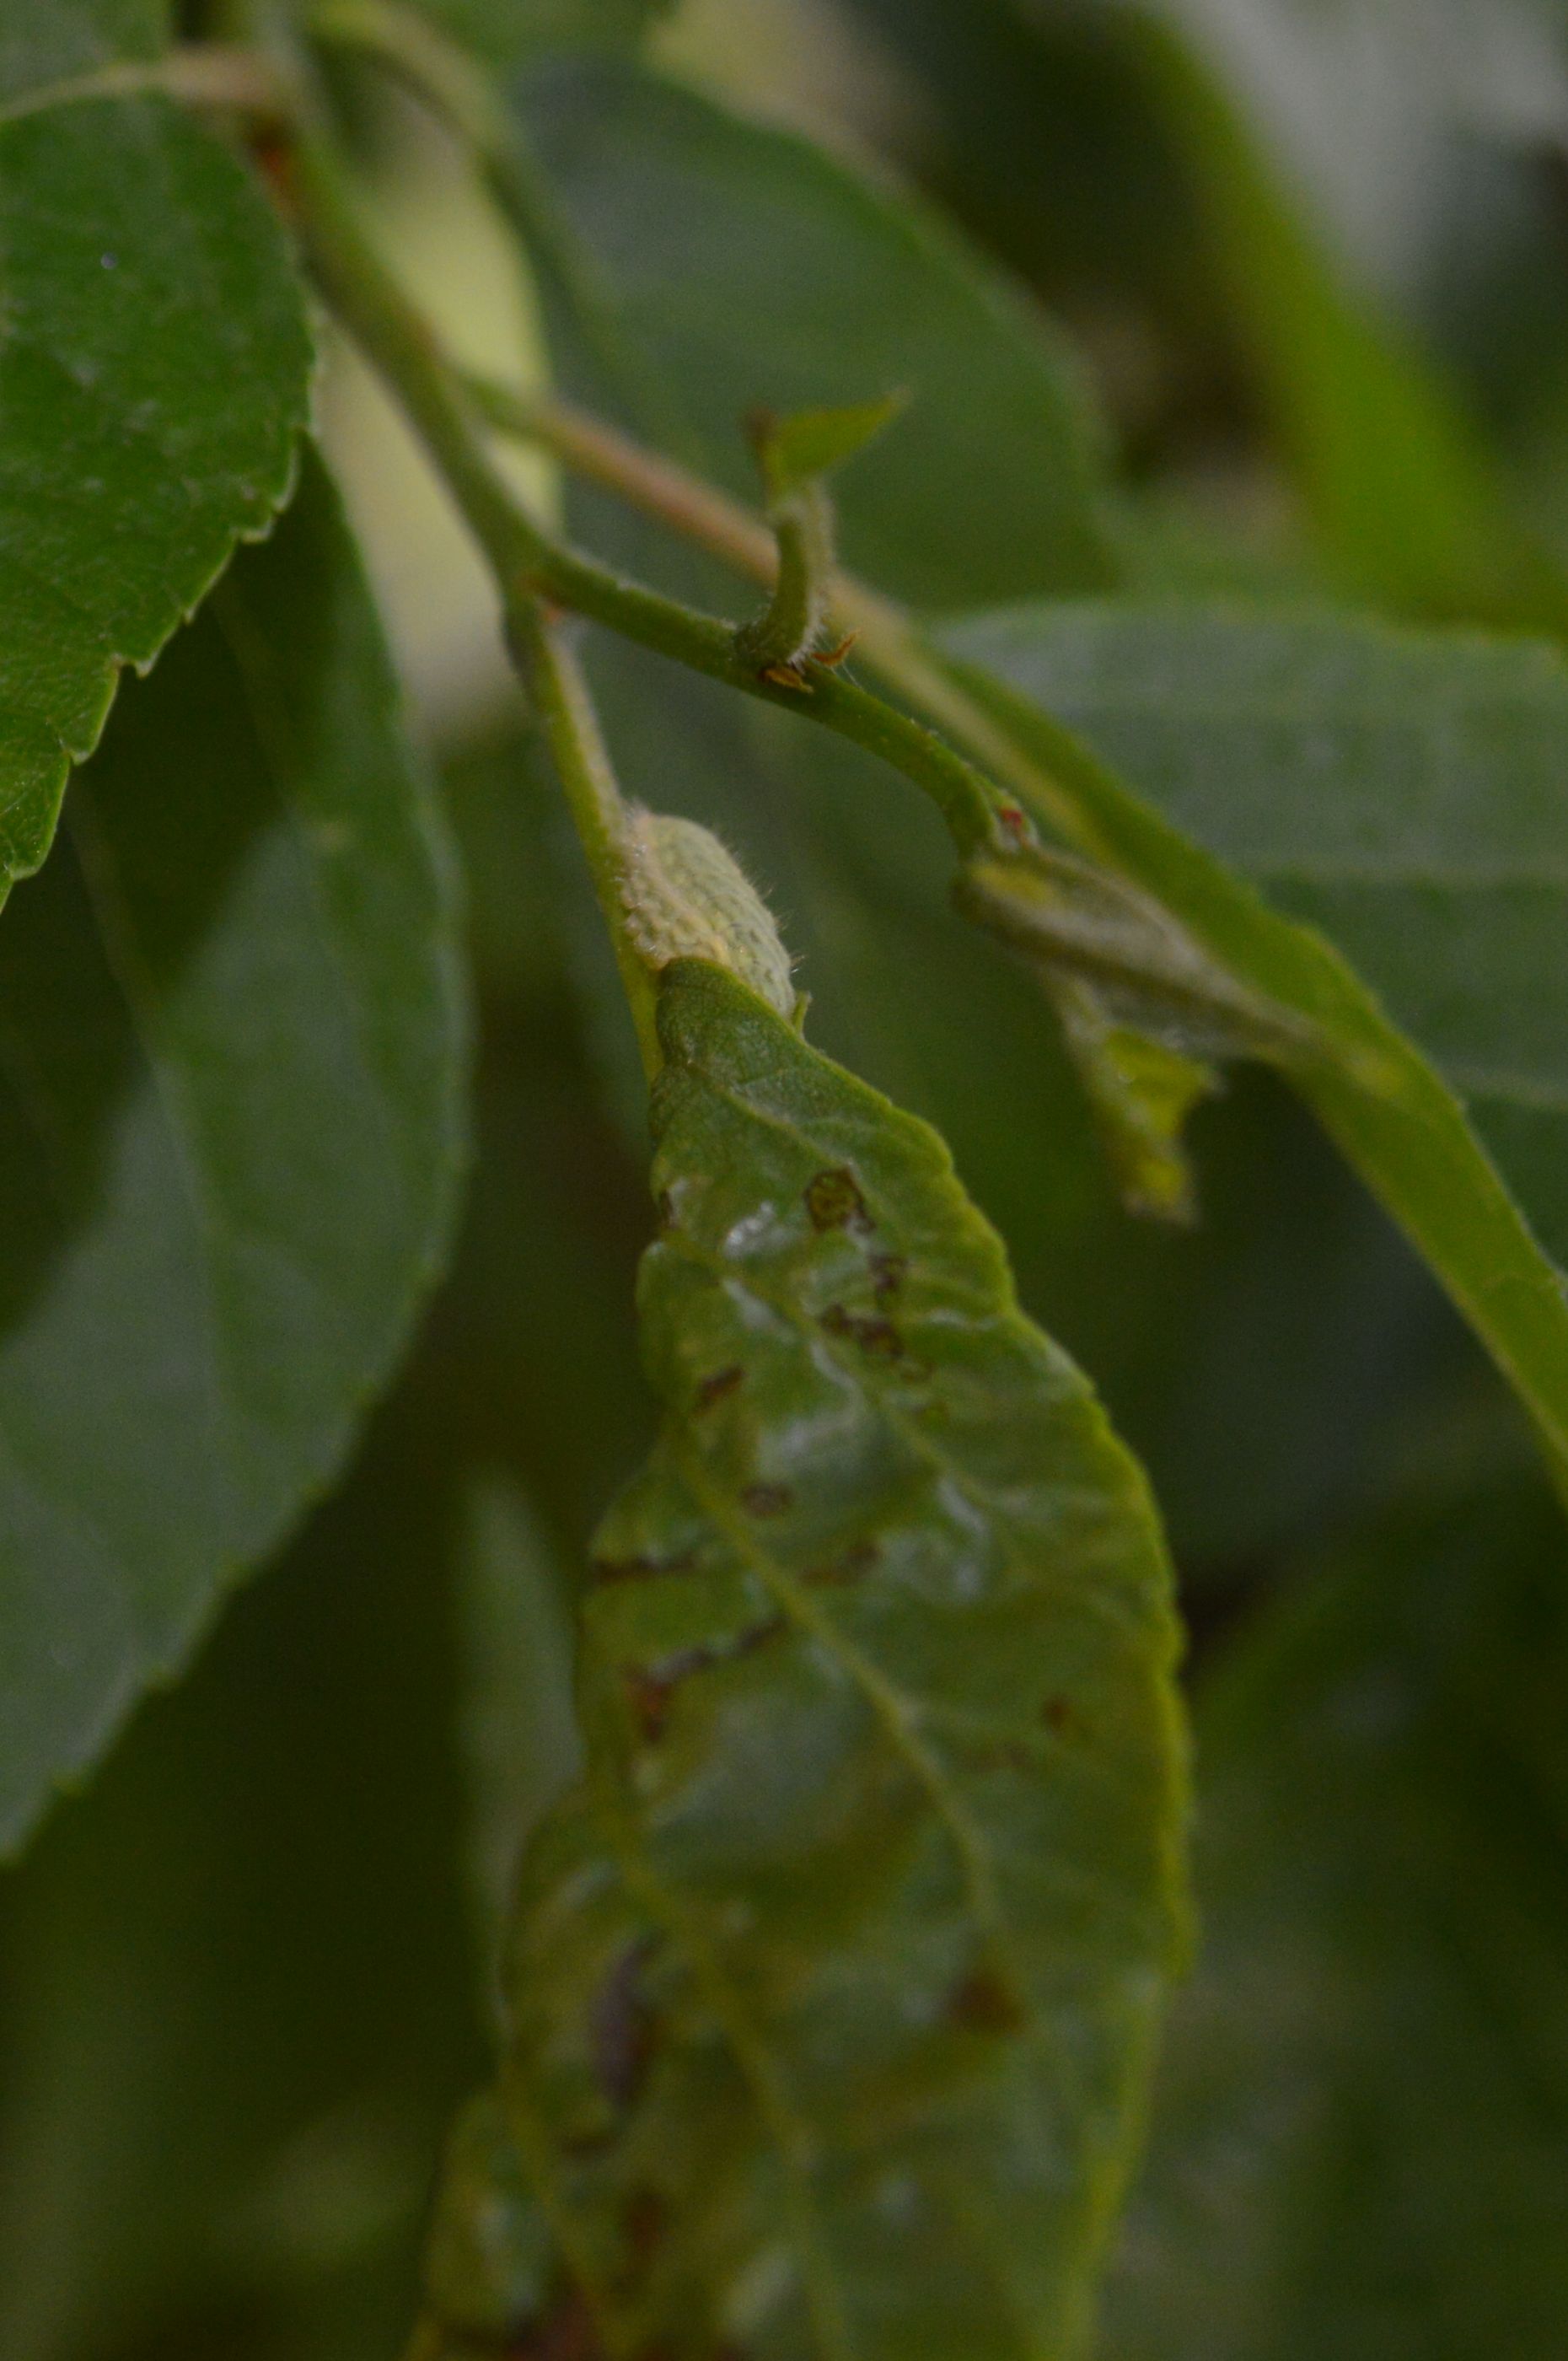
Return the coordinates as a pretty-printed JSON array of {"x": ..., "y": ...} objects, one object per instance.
[{"x": 1312, "y": 258}]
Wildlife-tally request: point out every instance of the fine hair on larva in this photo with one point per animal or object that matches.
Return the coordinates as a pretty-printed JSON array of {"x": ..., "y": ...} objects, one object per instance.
[{"x": 686, "y": 896}]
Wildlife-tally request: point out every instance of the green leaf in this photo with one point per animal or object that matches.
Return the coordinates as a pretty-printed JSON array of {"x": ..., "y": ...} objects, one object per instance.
[
  {"x": 154, "y": 375},
  {"x": 239, "y": 1990},
  {"x": 751, "y": 268},
  {"x": 230, "y": 1059},
  {"x": 795, "y": 452},
  {"x": 61, "y": 38},
  {"x": 834, "y": 1986},
  {"x": 1395, "y": 807},
  {"x": 1361, "y": 2144}
]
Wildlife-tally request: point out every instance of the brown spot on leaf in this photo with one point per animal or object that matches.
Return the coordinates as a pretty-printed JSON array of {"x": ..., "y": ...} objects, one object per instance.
[
  {"x": 623, "y": 2028},
  {"x": 871, "y": 1332},
  {"x": 982, "y": 2002},
  {"x": 641, "y": 1569},
  {"x": 772, "y": 1627},
  {"x": 766, "y": 1499},
  {"x": 648, "y": 1693},
  {"x": 1059, "y": 1715},
  {"x": 644, "y": 2219},
  {"x": 651, "y": 1687},
  {"x": 834, "y": 1202},
  {"x": 566, "y": 2333},
  {"x": 723, "y": 1381},
  {"x": 887, "y": 1275},
  {"x": 855, "y": 1562}
]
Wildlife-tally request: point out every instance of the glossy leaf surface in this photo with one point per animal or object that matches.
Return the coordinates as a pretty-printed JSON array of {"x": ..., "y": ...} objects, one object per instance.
[
  {"x": 833, "y": 1987},
  {"x": 1361, "y": 2145},
  {"x": 230, "y": 1062},
  {"x": 1397, "y": 805},
  {"x": 154, "y": 376}
]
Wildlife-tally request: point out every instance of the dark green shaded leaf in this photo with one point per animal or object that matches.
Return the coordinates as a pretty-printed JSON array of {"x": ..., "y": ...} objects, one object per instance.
[
  {"x": 1361, "y": 2147},
  {"x": 751, "y": 268},
  {"x": 519, "y": 1731},
  {"x": 1039, "y": 129},
  {"x": 237, "y": 1993},
  {"x": 535, "y": 1352},
  {"x": 154, "y": 375},
  {"x": 231, "y": 1055},
  {"x": 833, "y": 1988},
  {"x": 1399, "y": 799}
]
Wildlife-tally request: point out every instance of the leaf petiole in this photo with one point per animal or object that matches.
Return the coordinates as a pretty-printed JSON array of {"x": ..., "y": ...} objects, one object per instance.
[
  {"x": 564, "y": 706},
  {"x": 529, "y": 562},
  {"x": 209, "y": 74},
  {"x": 696, "y": 510}
]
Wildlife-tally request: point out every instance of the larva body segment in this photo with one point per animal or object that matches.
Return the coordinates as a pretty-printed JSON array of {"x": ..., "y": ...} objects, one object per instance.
[{"x": 687, "y": 897}]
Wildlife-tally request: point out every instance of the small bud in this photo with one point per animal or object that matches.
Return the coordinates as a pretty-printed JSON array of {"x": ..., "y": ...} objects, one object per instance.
[{"x": 687, "y": 897}]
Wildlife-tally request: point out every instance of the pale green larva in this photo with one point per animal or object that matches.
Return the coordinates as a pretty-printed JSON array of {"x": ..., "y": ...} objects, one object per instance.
[{"x": 687, "y": 897}]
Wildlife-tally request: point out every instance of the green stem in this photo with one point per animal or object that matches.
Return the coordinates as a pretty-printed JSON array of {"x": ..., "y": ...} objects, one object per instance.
[
  {"x": 530, "y": 564},
  {"x": 406, "y": 45},
  {"x": 206, "y": 76},
  {"x": 657, "y": 487},
  {"x": 789, "y": 630},
  {"x": 582, "y": 759},
  {"x": 697, "y": 511}
]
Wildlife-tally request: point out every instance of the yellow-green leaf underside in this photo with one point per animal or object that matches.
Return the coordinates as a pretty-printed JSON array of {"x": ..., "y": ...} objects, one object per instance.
[{"x": 834, "y": 1984}]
